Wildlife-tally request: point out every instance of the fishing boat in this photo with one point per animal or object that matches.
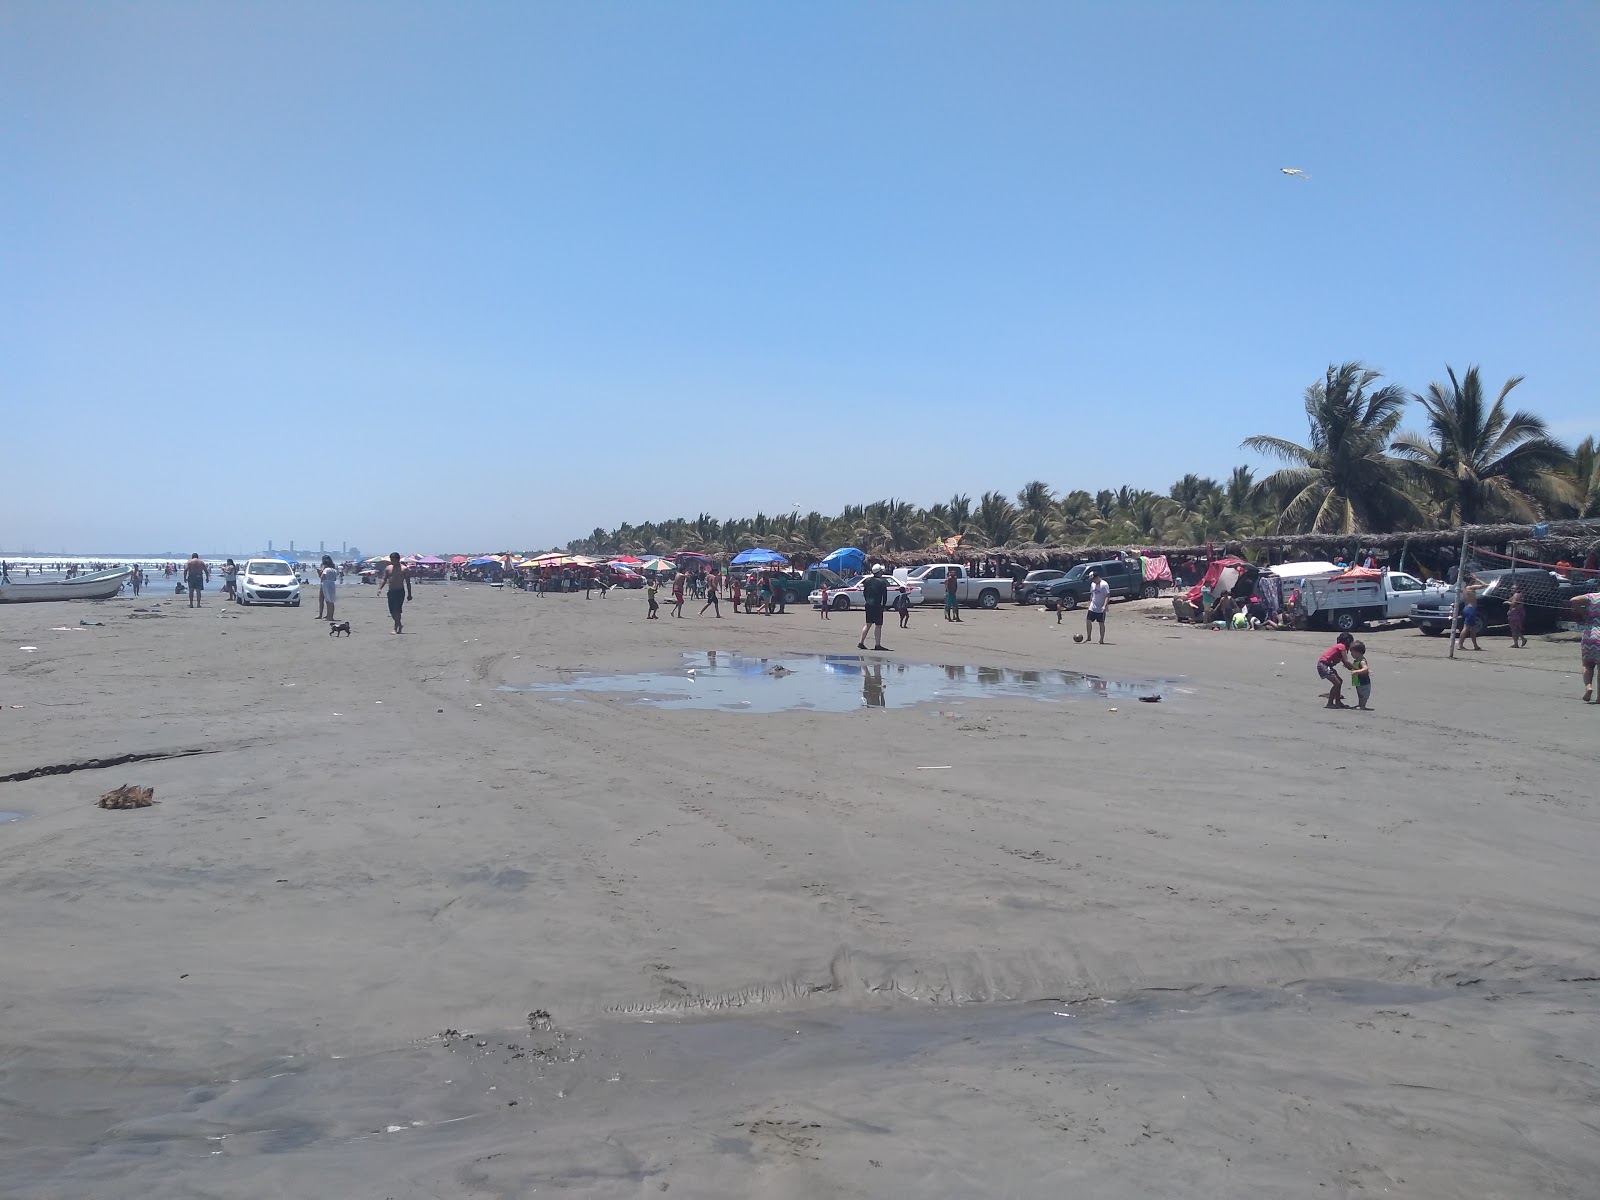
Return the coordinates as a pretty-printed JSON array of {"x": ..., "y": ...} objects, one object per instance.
[{"x": 102, "y": 585}]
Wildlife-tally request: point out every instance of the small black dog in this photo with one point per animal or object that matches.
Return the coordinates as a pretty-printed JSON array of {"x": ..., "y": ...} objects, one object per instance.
[{"x": 337, "y": 627}]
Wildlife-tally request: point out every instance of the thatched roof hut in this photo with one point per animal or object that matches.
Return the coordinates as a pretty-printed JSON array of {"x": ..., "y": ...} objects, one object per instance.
[{"x": 1572, "y": 540}]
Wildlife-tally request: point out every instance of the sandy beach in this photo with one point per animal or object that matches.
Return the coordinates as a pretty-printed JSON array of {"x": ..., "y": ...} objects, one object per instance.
[{"x": 1228, "y": 944}]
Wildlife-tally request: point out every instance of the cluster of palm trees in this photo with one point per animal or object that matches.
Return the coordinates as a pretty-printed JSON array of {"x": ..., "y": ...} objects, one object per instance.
[
  {"x": 1360, "y": 472},
  {"x": 1476, "y": 463}
]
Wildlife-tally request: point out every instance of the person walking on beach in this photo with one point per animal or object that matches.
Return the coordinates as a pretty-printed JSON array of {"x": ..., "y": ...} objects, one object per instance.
[
  {"x": 653, "y": 612},
  {"x": 823, "y": 607},
  {"x": 902, "y": 605},
  {"x": 733, "y": 593},
  {"x": 396, "y": 583},
  {"x": 327, "y": 588},
  {"x": 195, "y": 573},
  {"x": 677, "y": 594},
  {"x": 875, "y": 596},
  {"x": 952, "y": 605},
  {"x": 1360, "y": 674},
  {"x": 137, "y": 579},
  {"x": 711, "y": 597},
  {"x": 1099, "y": 597},
  {"x": 1586, "y": 611}
]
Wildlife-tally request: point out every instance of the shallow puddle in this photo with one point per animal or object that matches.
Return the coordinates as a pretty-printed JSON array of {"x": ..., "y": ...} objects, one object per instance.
[
  {"x": 7, "y": 817},
  {"x": 835, "y": 683}
]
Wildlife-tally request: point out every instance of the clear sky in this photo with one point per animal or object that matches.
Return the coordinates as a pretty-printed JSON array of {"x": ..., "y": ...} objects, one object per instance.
[{"x": 472, "y": 275}]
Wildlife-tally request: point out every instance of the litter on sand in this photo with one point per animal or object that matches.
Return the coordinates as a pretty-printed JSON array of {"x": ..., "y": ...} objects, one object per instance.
[{"x": 944, "y": 768}]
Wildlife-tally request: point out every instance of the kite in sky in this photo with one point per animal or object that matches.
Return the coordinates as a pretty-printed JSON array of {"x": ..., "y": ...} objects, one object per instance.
[{"x": 1295, "y": 171}]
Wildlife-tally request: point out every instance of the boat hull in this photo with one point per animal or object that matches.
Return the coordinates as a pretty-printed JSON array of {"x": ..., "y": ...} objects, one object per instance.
[{"x": 102, "y": 585}]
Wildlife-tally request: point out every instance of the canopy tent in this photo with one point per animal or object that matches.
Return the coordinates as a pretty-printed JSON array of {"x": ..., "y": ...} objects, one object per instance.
[
  {"x": 457, "y": 559},
  {"x": 423, "y": 560},
  {"x": 692, "y": 556},
  {"x": 626, "y": 560},
  {"x": 485, "y": 560},
  {"x": 757, "y": 555},
  {"x": 845, "y": 558}
]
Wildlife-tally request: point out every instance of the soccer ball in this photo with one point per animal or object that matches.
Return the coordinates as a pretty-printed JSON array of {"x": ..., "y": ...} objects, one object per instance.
[{"x": 1077, "y": 637}]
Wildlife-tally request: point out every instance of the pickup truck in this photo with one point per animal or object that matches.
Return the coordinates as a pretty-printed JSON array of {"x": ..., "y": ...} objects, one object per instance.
[
  {"x": 970, "y": 589},
  {"x": 1125, "y": 576},
  {"x": 1347, "y": 604},
  {"x": 1542, "y": 592}
]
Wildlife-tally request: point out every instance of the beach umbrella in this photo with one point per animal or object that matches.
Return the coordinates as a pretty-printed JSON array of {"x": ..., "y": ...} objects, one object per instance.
[
  {"x": 658, "y": 564},
  {"x": 845, "y": 558},
  {"x": 626, "y": 560},
  {"x": 757, "y": 555}
]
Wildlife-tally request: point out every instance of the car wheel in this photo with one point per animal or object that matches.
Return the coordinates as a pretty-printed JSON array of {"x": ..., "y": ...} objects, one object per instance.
[
  {"x": 841, "y": 603},
  {"x": 1431, "y": 630},
  {"x": 1067, "y": 600},
  {"x": 243, "y": 602},
  {"x": 1150, "y": 592},
  {"x": 295, "y": 603},
  {"x": 1346, "y": 622},
  {"x": 988, "y": 598}
]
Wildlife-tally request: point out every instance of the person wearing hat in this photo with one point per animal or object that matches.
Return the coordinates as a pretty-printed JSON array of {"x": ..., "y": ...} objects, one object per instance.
[{"x": 875, "y": 597}]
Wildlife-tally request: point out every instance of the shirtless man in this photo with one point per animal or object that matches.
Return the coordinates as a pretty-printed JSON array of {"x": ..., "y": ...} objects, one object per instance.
[
  {"x": 396, "y": 583},
  {"x": 195, "y": 573}
]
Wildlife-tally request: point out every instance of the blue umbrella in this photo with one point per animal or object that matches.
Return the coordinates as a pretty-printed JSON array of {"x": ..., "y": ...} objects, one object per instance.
[
  {"x": 758, "y": 555},
  {"x": 845, "y": 558}
]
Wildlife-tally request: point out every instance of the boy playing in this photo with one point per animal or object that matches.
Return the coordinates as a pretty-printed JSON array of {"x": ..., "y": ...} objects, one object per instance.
[
  {"x": 1360, "y": 673},
  {"x": 902, "y": 605},
  {"x": 650, "y": 596},
  {"x": 824, "y": 612}
]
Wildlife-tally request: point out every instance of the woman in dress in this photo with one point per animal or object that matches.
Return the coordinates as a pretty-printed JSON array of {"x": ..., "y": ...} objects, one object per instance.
[
  {"x": 327, "y": 588},
  {"x": 1586, "y": 611}
]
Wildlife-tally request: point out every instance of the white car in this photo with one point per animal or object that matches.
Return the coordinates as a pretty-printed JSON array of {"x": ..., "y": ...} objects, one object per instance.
[
  {"x": 842, "y": 598},
  {"x": 268, "y": 581}
]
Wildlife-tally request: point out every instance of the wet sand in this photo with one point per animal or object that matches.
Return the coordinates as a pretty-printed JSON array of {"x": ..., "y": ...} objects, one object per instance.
[{"x": 1227, "y": 944}]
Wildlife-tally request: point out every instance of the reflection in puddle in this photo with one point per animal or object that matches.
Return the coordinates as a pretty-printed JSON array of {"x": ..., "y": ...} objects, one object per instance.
[
  {"x": 7, "y": 817},
  {"x": 834, "y": 683}
]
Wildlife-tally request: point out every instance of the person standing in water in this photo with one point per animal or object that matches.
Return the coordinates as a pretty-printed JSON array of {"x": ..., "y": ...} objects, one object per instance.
[
  {"x": 327, "y": 588},
  {"x": 195, "y": 573},
  {"x": 396, "y": 582}
]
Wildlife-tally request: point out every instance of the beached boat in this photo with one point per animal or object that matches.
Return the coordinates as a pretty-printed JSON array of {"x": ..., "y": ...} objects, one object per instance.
[{"x": 101, "y": 585}]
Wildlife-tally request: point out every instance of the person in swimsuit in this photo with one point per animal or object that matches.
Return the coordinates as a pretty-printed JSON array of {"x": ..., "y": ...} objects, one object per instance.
[
  {"x": 327, "y": 589},
  {"x": 1517, "y": 617},
  {"x": 677, "y": 594},
  {"x": 195, "y": 573},
  {"x": 1586, "y": 611},
  {"x": 396, "y": 582},
  {"x": 711, "y": 597},
  {"x": 1470, "y": 625}
]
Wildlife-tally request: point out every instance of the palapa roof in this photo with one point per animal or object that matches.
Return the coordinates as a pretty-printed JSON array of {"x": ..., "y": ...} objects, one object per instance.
[{"x": 1567, "y": 538}]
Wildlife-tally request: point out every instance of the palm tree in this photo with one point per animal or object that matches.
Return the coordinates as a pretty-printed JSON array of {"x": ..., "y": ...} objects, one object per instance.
[
  {"x": 1037, "y": 503},
  {"x": 996, "y": 520},
  {"x": 1585, "y": 474},
  {"x": 1344, "y": 480},
  {"x": 1481, "y": 462}
]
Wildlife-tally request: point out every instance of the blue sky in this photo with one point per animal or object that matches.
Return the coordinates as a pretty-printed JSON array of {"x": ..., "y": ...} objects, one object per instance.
[{"x": 432, "y": 276}]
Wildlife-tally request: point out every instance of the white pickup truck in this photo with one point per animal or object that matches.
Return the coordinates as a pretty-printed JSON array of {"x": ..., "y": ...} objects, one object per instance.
[
  {"x": 1329, "y": 602},
  {"x": 985, "y": 593}
]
